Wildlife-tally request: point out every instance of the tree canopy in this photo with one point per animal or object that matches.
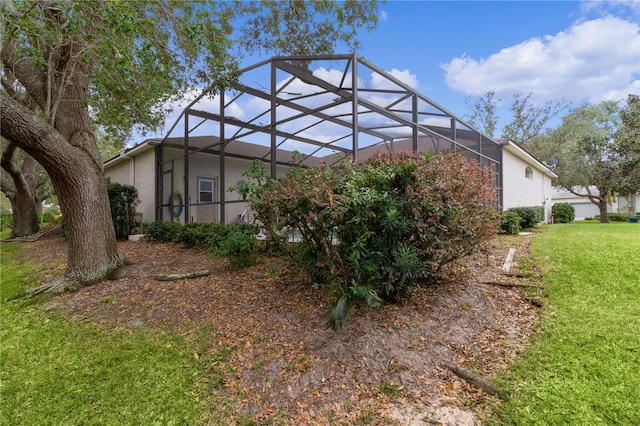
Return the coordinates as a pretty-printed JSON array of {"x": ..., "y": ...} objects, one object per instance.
[
  {"x": 140, "y": 55},
  {"x": 586, "y": 148},
  {"x": 69, "y": 67},
  {"x": 527, "y": 121},
  {"x": 598, "y": 146},
  {"x": 627, "y": 145}
]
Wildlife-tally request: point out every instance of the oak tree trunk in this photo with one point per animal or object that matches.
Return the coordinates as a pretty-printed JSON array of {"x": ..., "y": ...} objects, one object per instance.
[
  {"x": 602, "y": 206},
  {"x": 75, "y": 169},
  {"x": 25, "y": 218},
  {"x": 20, "y": 190}
]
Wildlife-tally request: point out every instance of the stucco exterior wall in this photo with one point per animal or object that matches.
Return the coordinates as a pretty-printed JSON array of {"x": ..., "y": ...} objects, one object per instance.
[
  {"x": 137, "y": 170},
  {"x": 119, "y": 173},
  {"x": 518, "y": 190},
  {"x": 207, "y": 166},
  {"x": 144, "y": 180},
  {"x": 137, "y": 167}
]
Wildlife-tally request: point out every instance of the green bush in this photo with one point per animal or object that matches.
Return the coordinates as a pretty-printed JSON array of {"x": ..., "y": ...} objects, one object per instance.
[
  {"x": 236, "y": 242},
  {"x": 163, "y": 232},
  {"x": 511, "y": 223},
  {"x": 6, "y": 221},
  {"x": 563, "y": 213},
  {"x": 46, "y": 217},
  {"x": 529, "y": 216},
  {"x": 398, "y": 218},
  {"x": 618, "y": 217},
  {"x": 198, "y": 234},
  {"x": 123, "y": 200}
]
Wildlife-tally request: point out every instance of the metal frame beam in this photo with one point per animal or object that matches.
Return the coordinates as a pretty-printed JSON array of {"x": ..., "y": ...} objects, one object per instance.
[{"x": 403, "y": 107}]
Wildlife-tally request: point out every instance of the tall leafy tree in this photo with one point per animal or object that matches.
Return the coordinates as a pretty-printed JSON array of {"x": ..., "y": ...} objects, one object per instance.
[
  {"x": 67, "y": 66},
  {"x": 627, "y": 146},
  {"x": 527, "y": 119},
  {"x": 585, "y": 145},
  {"x": 483, "y": 115}
]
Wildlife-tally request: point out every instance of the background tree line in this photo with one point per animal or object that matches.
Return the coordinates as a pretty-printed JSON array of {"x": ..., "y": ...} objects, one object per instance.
[{"x": 597, "y": 145}]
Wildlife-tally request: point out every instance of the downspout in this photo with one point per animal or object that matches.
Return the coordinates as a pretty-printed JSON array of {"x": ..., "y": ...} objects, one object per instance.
[
  {"x": 500, "y": 179},
  {"x": 132, "y": 170},
  {"x": 547, "y": 214}
]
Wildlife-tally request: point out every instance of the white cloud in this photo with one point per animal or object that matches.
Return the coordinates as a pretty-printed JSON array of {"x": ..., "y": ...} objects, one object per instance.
[
  {"x": 606, "y": 6},
  {"x": 380, "y": 82},
  {"x": 618, "y": 94},
  {"x": 592, "y": 60},
  {"x": 175, "y": 109},
  {"x": 383, "y": 16}
]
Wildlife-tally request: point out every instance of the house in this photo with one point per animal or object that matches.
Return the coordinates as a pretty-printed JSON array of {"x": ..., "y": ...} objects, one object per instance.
[
  {"x": 305, "y": 110},
  {"x": 584, "y": 208},
  {"x": 526, "y": 180},
  {"x": 137, "y": 166}
]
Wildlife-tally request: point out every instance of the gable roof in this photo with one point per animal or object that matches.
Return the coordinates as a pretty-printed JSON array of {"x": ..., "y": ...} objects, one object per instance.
[{"x": 526, "y": 156}]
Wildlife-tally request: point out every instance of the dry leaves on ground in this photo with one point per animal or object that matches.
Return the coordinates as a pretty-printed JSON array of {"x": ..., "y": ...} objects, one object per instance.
[{"x": 384, "y": 367}]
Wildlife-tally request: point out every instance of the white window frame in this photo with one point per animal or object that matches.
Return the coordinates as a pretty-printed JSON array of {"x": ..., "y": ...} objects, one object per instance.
[
  {"x": 214, "y": 184},
  {"x": 528, "y": 172}
]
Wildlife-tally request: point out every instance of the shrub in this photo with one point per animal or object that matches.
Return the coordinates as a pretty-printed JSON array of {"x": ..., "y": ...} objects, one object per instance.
[
  {"x": 123, "y": 200},
  {"x": 529, "y": 216},
  {"x": 46, "y": 217},
  {"x": 618, "y": 217},
  {"x": 235, "y": 241},
  {"x": 199, "y": 234},
  {"x": 615, "y": 217},
  {"x": 398, "y": 218},
  {"x": 6, "y": 221},
  {"x": 163, "y": 232},
  {"x": 563, "y": 212},
  {"x": 511, "y": 223},
  {"x": 237, "y": 244}
]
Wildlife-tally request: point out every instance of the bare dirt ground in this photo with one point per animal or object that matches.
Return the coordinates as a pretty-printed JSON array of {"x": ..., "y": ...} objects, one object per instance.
[{"x": 384, "y": 367}]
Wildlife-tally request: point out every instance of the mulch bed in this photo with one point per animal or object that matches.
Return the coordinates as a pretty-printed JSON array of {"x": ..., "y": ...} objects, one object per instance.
[{"x": 384, "y": 366}]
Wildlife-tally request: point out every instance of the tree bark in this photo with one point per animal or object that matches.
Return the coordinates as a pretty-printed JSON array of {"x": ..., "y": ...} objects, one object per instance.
[
  {"x": 602, "y": 206},
  {"x": 21, "y": 193},
  {"x": 76, "y": 174}
]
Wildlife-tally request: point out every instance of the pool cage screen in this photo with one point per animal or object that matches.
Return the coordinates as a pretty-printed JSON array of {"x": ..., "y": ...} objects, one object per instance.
[{"x": 299, "y": 110}]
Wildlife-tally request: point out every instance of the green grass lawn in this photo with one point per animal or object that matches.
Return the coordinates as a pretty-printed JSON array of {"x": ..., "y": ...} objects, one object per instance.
[
  {"x": 57, "y": 372},
  {"x": 584, "y": 365}
]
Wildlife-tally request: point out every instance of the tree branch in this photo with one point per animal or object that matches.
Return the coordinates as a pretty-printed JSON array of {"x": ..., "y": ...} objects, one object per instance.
[
  {"x": 35, "y": 136},
  {"x": 594, "y": 199},
  {"x": 27, "y": 73},
  {"x": 476, "y": 380},
  {"x": 6, "y": 186}
]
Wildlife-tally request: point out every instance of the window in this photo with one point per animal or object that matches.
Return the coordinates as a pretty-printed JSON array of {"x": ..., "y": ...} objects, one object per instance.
[
  {"x": 206, "y": 187},
  {"x": 528, "y": 173}
]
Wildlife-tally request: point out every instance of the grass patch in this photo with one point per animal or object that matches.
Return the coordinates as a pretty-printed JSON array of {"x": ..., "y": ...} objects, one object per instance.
[
  {"x": 55, "y": 371},
  {"x": 583, "y": 365}
]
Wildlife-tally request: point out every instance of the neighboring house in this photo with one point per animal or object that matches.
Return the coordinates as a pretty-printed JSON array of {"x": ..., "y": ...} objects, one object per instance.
[
  {"x": 584, "y": 208},
  {"x": 345, "y": 107}
]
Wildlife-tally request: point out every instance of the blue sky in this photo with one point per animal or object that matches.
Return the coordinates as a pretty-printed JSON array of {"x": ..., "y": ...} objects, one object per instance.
[{"x": 579, "y": 51}]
